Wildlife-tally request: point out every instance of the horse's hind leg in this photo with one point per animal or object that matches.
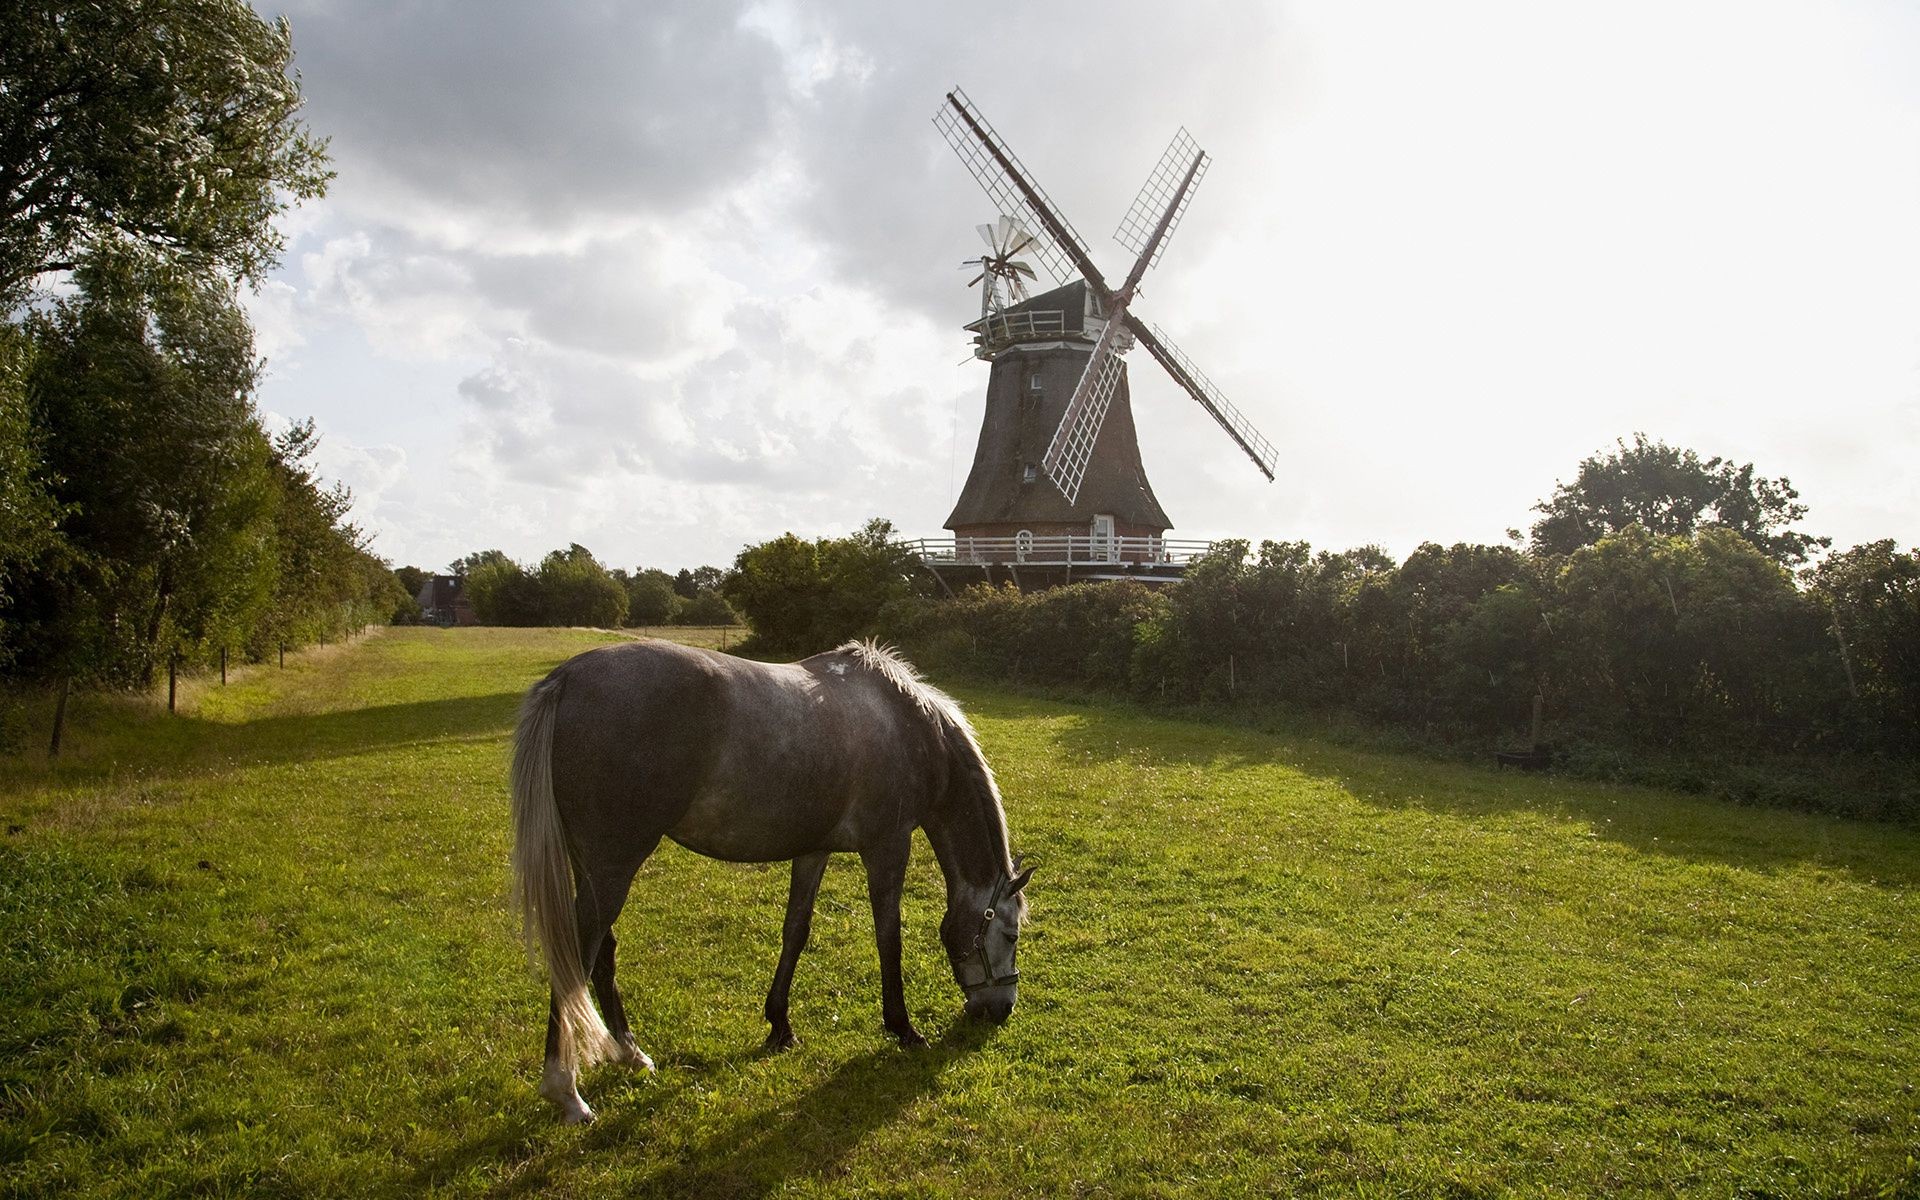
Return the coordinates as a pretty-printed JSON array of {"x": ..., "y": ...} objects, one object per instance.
[
  {"x": 807, "y": 870},
  {"x": 614, "y": 1012},
  {"x": 597, "y": 899},
  {"x": 886, "y": 874}
]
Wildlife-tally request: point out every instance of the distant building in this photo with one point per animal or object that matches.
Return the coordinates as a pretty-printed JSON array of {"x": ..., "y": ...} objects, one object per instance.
[{"x": 443, "y": 601}]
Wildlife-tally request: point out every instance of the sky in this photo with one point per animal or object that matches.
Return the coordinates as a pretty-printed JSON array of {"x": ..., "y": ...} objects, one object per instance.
[{"x": 668, "y": 279}]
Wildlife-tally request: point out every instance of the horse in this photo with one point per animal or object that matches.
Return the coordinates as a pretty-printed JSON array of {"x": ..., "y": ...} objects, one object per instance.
[{"x": 847, "y": 751}]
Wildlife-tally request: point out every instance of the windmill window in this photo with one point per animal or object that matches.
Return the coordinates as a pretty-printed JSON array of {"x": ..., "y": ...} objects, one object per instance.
[
  {"x": 1029, "y": 475},
  {"x": 1033, "y": 382}
]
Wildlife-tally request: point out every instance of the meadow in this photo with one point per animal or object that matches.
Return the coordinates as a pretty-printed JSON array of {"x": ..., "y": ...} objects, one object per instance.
[{"x": 263, "y": 948}]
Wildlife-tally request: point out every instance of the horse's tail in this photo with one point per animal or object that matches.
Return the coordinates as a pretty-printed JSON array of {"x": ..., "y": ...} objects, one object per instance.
[{"x": 543, "y": 881}]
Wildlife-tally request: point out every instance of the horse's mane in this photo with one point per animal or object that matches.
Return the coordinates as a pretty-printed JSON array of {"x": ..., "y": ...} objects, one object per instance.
[{"x": 941, "y": 707}]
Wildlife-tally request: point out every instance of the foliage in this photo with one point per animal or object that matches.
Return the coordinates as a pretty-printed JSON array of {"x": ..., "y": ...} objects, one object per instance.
[
  {"x": 705, "y": 608},
  {"x": 162, "y": 128},
  {"x": 650, "y": 597},
  {"x": 575, "y": 589},
  {"x": 263, "y": 949},
  {"x": 29, "y": 517},
  {"x": 140, "y": 397},
  {"x": 1871, "y": 594},
  {"x": 1699, "y": 650},
  {"x": 803, "y": 597},
  {"x": 1671, "y": 492},
  {"x": 570, "y": 587},
  {"x": 1082, "y": 635}
]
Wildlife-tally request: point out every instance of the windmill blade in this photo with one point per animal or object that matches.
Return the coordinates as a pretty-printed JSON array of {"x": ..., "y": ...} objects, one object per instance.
[
  {"x": 1065, "y": 461},
  {"x": 1197, "y": 385},
  {"x": 1010, "y": 186},
  {"x": 1167, "y": 190}
]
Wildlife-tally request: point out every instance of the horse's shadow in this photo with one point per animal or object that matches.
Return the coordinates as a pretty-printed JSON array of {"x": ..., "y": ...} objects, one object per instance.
[{"x": 808, "y": 1134}]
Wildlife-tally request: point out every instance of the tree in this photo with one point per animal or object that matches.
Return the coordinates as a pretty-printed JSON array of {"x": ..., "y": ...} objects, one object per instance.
[
  {"x": 502, "y": 593},
  {"x": 1672, "y": 492},
  {"x": 574, "y": 589},
  {"x": 650, "y": 597},
  {"x": 1871, "y": 599},
  {"x": 141, "y": 396},
  {"x": 161, "y": 127},
  {"x": 465, "y": 567},
  {"x": 29, "y": 517},
  {"x": 801, "y": 597}
]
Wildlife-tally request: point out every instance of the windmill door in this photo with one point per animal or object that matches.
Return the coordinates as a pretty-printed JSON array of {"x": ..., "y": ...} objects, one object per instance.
[{"x": 1106, "y": 548}]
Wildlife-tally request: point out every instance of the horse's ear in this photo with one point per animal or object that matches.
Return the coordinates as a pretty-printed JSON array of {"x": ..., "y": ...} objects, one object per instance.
[{"x": 1019, "y": 881}]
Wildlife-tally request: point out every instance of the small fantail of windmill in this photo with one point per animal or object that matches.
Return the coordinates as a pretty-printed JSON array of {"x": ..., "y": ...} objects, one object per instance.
[{"x": 1003, "y": 275}]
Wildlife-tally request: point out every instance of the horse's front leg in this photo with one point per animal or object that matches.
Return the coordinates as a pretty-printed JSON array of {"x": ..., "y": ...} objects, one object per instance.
[
  {"x": 807, "y": 870},
  {"x": 886, "y": 873}
]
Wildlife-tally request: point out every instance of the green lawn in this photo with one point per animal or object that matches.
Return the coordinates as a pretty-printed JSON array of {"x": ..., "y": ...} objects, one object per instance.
[{"x": 263, "y": 948}]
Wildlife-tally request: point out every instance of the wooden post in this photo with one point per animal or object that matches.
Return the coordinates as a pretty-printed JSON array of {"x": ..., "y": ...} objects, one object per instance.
[
  {"x": 59, "y": 717},
  {"x": 173, "y": 679},
  {"x": 1233, "y": 686},
  {"x": 283, "y": 656},
  {"x": 223, "y": 666},
  {"x": 1539, "y": 702}
]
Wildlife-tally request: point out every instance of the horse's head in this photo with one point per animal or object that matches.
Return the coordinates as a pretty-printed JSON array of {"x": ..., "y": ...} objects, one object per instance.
[{"x": 981, "y": 943}]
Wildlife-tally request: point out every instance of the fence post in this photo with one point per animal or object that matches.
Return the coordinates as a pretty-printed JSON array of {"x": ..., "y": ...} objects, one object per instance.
[
  {"x": 173, "y": 679},
  {"x": 223, "y": 666},
  {"x": 283, "y": 656}
]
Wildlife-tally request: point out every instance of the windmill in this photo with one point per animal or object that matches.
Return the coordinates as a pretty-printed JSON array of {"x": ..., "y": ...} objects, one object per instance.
[
  {"x": 1058, "y": 454},
  {"x": 1000, "y": 268}
]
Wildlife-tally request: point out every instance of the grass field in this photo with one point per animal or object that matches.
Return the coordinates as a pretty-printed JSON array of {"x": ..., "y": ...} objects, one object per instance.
[{"x": 262, "y": 948}]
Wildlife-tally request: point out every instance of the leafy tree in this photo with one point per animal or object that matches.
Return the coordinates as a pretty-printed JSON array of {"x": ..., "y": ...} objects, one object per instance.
[
  {"x": 802, "y": 597},
  {"x": 1671, "y": 641},
  {"x": 163, "y": 127},
  {"x": 574, "y": 589},
  {"x": 707, "y": 608},
  {"x": 29, "y": 517},
  {"x": 650, "y": 597},
  {"x": 464, "y": 567},
  {"x": 1871, "y": 598},
  {"x": 1671, "y": 492},
  {"x": 411, "y": 579},
  {"x": 501, "y": 591},
  {"x": 141, "y": 393}
]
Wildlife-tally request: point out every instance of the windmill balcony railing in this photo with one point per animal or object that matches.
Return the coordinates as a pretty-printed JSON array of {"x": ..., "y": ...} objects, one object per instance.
[
  {"x": 1057, "y": 551},
  {"x": 1000, "y": 328}
]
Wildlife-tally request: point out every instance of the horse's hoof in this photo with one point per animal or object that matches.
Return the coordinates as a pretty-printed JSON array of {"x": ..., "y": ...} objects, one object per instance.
[
  {"x": 632, "y": 1055},
  {"x": 910, "y": 1038},
  {"x": 778, "y": 1040},
  {"x": 576, "y": 1116}
]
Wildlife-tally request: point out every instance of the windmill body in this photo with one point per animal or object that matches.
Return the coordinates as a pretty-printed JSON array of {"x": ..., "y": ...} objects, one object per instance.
[
  {"x": 1057, "y": 478},
  {"x": 1039, "y": 350}
]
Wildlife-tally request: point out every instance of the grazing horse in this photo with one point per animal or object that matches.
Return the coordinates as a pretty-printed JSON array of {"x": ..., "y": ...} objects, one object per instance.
[{"x": 748, "y": 762}]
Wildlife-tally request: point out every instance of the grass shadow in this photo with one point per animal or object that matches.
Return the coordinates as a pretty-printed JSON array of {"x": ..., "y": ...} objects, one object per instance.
[
  {"x": 1647, "y": 820},
  {"x": 808, "y": 1134}
]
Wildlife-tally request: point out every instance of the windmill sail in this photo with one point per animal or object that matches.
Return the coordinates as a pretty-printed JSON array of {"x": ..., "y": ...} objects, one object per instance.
[
  {"x": 1197, "y": 385},
  {"x": 1073, "y": 439},
  {"x": 1136, "y": 228},
  {"x": 1061, "y": 250}
]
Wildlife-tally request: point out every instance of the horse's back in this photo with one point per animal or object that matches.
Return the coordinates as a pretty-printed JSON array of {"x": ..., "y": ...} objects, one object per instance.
[{"x": 733, "y": 758}]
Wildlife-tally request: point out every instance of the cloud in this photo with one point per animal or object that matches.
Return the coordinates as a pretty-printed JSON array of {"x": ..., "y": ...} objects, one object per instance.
[{"x": 683, "y": 275}]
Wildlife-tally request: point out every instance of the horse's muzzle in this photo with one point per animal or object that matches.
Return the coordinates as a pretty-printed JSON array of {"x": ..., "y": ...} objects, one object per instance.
[{"x": 991, "y": 1004}]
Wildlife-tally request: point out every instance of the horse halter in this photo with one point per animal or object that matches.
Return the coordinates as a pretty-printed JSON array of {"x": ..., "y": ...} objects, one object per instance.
[{"x": 970, "y": 967}]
